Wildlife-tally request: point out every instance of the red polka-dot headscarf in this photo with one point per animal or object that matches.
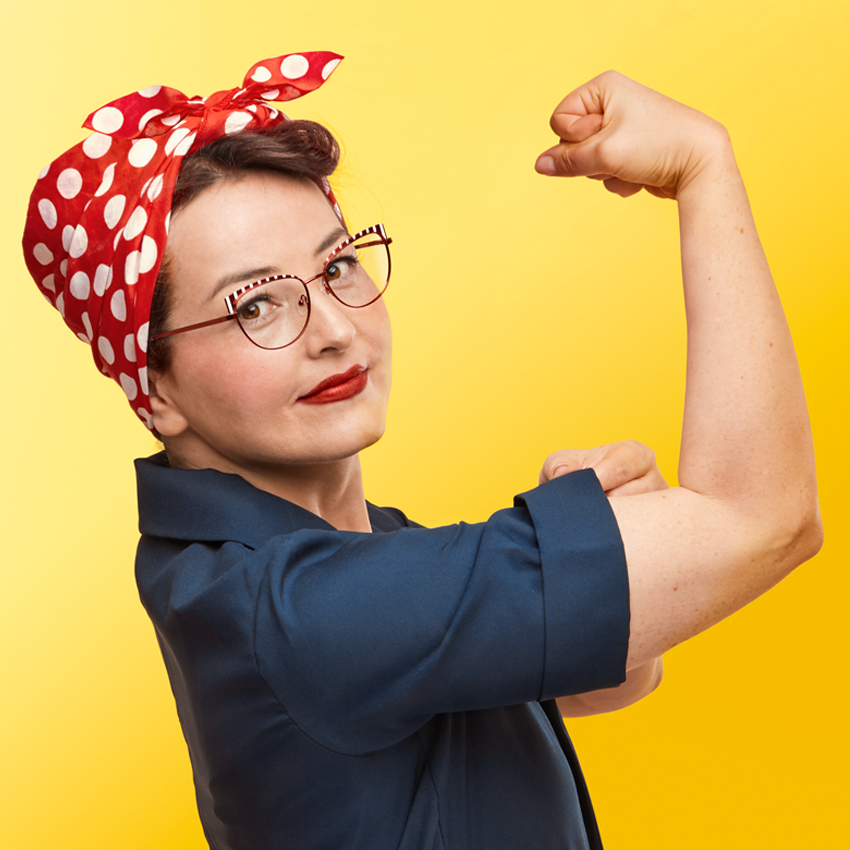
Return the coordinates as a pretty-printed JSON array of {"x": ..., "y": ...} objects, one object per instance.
[{"x": 98, "y": 216}]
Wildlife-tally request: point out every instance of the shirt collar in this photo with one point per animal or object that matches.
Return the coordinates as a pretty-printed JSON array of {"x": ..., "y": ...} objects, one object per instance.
[{"x": 211, "y": 506}]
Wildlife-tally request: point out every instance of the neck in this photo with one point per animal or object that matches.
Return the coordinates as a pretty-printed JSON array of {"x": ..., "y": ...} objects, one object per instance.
[{"x": 332, "y": 490}]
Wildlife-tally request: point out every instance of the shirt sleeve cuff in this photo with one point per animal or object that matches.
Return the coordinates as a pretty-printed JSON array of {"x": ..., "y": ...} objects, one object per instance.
[{"x": 585, "y": 585}]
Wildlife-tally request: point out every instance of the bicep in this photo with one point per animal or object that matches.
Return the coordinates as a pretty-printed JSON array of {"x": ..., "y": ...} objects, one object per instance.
[{"x": 692, "y": 560}]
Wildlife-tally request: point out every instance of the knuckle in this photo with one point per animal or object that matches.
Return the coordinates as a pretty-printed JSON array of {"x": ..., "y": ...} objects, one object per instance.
[
  {"x": 549, "y": 464},
  {"x": 567, "y": 162}
]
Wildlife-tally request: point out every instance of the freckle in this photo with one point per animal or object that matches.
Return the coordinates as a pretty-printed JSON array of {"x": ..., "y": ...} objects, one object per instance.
[
  {"x": 771, "y": 345},
  {"x": 742, "y": 230},
  {"x": 675, "y": 588}
]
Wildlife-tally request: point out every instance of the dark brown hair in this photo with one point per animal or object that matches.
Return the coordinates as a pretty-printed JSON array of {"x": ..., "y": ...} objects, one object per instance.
[{"x": 303, "y": 150}]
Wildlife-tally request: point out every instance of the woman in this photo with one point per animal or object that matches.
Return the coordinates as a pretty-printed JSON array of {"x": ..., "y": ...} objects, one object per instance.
[{"x": 344, "y": 677}]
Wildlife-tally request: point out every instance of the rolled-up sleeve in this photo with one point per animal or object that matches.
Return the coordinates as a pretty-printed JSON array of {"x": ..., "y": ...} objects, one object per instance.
[
  {"x": 363, "y": 638},
  {"x": 585, "y": 585}
]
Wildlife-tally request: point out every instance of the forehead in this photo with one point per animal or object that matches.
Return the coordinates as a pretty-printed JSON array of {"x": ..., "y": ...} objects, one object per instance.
[
  {"x": 259, "y": 220},
  {"x": 241, "y": 205}
]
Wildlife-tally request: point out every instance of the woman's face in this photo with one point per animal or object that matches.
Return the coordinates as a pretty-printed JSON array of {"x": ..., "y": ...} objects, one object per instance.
[{"x": 229, "y": 405}]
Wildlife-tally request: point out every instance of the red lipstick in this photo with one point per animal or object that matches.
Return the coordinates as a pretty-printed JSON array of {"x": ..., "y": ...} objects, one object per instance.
[{"x": 338, "y": 387}]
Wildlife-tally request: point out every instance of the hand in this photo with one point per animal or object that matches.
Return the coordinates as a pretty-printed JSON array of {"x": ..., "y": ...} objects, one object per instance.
[
  {"x": 630, "y": 137},
  {"x": 623, "y": 469}
]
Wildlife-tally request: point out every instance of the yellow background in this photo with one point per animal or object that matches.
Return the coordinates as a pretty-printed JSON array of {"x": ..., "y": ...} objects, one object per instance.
[{"x": 529, "y": 314}]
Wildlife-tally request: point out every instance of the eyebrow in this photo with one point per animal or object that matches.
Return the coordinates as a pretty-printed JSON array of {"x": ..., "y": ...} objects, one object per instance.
[{"x": 332, "y": 239}]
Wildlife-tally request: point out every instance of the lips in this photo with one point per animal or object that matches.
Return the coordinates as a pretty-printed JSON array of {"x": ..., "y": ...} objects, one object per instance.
[{"x": 338, "y": 387}]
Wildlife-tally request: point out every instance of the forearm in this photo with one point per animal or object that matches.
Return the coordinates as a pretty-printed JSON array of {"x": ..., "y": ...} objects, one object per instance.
[
  {"x": 746, "y": 436},
  {"x": 640, "y": 682}
]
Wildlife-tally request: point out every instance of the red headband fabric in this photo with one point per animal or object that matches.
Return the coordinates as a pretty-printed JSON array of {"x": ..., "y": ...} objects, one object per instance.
[{"x": 98, "y": 217}]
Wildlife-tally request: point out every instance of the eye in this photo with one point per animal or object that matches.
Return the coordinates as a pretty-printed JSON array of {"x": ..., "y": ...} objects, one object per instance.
[
  {"x": 249, "y": 311},
  {"x": 342, "y": 267},
  {"x": 254, "y": 309}
]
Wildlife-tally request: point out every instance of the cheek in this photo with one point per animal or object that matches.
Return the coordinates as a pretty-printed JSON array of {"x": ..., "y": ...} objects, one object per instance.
[
  {"x": 237, "y": 380},
  {"x": 379, "y": 329}
]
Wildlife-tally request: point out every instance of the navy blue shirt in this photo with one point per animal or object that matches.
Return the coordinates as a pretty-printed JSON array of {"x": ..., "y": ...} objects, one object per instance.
[{"x": 386, "y": 690}]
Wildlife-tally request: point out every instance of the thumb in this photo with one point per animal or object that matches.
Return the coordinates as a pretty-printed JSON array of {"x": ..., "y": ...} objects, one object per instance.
[{"x": 572, "y": 159}]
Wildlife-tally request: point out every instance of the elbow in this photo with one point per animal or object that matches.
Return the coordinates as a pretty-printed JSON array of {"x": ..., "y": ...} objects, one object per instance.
[
  {"x": 800, "y": 534},
  {"x": 652, "y": 674},
  {"x": 810, "y": 534},
  {"x": 657, "y": 676}
]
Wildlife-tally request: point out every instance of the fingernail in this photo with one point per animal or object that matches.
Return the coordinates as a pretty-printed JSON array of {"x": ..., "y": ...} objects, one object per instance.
[{"x": 545, "y": 165}]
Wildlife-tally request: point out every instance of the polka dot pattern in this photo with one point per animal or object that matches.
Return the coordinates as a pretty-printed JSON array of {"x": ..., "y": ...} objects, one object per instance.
[
  {"x": 175, "y": 138},
  {"x": 98, "y": 217},
  {"x": 329, "y": 68},
  {"x": 151, "y": 113},
  {"x": 48, "y": 212},
  {"x": 102, "y": 279},
  {"x": 183, "y": 148},
  {"x": 154, "y": 188},
  {"x": 104, "y": 346},
  {"x": 79, "y": 243},
  {"x": 113, "y": 210},
  {"x": 130, "y": 348},
  {"x": 69, "y": 183},
  {"x": 237, "y": 122},
  {"x": 118, "y": 305},
  {"x": 294, "y": 66},
  {"x": 80, "y": 286},
  {"x": 149, "y": 255},
  {"x": 136, "y": 223},
  {"x": 142, "y": 152},
  {"x": 107, "y": 120},
  {"x": 97, "y": 145},
  {"x": 132, "y": 267},
  {"x": 106, "y": 182},
  {"x": 129, "y": 386}
]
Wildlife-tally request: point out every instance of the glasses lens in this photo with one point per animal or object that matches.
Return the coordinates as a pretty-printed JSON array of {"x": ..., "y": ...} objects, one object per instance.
[
  {"x": 359, "y": 274},
  {"x": 274, "y": 314}
]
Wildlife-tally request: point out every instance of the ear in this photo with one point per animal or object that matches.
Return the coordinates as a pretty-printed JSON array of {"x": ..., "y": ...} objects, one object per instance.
[{"x": 168, "y": 419}]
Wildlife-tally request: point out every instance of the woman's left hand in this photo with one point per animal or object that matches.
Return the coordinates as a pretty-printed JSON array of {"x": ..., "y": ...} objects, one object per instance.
[{"x": 623, "y": 469}]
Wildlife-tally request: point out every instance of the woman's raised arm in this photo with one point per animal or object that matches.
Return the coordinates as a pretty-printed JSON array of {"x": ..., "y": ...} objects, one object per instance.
[{"x": 745, "y": 511}]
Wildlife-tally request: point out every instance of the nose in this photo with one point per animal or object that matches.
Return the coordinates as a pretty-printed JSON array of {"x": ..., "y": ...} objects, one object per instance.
[{"x": 330, "y": 327}]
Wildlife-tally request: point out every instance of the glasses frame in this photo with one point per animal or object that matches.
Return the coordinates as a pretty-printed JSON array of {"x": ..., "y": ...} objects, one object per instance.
[{"x": 232, "y": 299}]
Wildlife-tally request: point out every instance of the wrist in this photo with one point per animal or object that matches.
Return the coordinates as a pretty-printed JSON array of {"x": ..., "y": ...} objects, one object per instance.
[{"x": 711, "y": 156}]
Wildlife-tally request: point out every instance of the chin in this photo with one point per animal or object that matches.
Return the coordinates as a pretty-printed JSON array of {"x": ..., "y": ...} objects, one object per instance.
[
  {"x": 330, "y": 445},
  {"x": 352, "y": 443}
]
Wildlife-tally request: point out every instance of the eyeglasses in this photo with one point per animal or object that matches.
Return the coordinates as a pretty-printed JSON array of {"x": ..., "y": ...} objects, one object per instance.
[{"x": 274, "y": 312}]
